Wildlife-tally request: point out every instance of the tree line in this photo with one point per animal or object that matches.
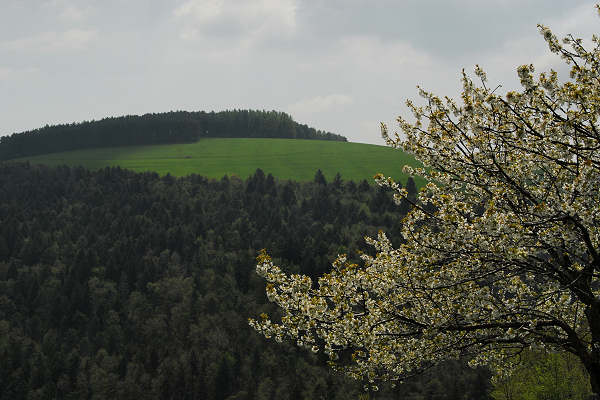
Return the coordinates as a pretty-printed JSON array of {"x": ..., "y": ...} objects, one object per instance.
[{"x": 161, "y": 128}]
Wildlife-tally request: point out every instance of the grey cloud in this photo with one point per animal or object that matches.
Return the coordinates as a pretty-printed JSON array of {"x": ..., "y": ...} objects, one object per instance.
[
  {"x": 339, "y": 65},
  {"x": 72, "y": 39},
  {"x": 243, "y": 17},
  {"x": 446, "y": 28}
]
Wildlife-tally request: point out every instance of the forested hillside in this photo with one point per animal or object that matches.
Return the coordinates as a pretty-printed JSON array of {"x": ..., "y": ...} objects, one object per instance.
[
  {"x": 115, "y": 284},
  {"x": 170, "y": 127}
]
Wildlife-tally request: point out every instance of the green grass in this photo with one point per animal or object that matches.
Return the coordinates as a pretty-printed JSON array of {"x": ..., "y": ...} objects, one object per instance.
[{"x": 284, "y": 158}]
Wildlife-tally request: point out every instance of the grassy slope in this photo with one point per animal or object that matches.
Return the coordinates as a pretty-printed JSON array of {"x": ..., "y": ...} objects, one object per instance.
[{"x": 284, "y": 158}]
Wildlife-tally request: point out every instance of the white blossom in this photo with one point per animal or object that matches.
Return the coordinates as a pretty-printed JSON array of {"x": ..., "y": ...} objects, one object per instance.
[{"x": 509, "y": 258}]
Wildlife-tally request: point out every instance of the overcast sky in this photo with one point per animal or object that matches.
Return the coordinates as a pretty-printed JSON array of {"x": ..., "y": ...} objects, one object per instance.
[{"x": 337, "y": 65}]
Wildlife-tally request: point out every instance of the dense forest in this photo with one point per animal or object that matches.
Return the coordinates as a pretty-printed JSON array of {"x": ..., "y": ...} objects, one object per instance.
[
  {"x": 170, "y": 127},
  {"x": 115, "y": 284}
]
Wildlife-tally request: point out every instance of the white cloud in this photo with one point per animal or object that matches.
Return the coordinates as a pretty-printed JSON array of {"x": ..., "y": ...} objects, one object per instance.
[
  {"x": 319, "y": 104},
  {"x": 581, "y": 21},
  {"x": 68, "y": 10},
  {"x": 372, "y": 53},
  {"x": 501, "y": 63},
  {"x": 366, "y": 58},
  {"x": 5, "y": 73},
  {"x": 72, "y": 13},
  {"x": 201, "y": 10},
  {"x": 241, "y": 18},
  {"x": 9, "y": 73},
  {"x": 370, "y": 130},
  {"x": 72, "y": 39}
]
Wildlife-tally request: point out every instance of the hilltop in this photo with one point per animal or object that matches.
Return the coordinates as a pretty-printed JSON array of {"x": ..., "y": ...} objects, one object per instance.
[
  {"x": 180, "y": 143},
  {"x": 161, "y": 128}
]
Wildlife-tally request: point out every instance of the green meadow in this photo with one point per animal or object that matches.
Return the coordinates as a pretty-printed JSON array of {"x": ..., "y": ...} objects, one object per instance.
[{"x": 214, "y": 158}]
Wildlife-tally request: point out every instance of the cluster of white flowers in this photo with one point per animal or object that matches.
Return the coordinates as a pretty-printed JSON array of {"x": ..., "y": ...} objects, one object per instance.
[{"x": 509, "y": 256}]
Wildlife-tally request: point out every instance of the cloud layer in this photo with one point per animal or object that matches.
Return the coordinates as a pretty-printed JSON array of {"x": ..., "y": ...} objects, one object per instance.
[
  {"x": 236, "y": 20},
  {"x": 51, "y": 41},
  {"x": 338, "y": 65}
]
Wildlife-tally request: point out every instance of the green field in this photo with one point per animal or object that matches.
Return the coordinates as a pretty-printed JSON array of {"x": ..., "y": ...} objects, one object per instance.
[{"x": 284, "y": 158}]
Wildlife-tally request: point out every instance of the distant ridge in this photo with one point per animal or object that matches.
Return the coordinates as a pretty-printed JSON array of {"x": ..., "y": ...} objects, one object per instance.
[{"x": 160, "y": 128}]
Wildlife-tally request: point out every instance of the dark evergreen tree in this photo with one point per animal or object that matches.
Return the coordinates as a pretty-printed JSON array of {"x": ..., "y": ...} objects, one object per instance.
[
  {"x": 170, "y": 127},
  {"x": 320, "y": 178},
  {"x": 122, "y": 285}
]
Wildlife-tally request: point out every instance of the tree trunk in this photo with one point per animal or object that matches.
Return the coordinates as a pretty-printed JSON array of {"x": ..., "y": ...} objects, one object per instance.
[
  {"x": 591, "y": 360},
  {"x": 594, "y": 371}
]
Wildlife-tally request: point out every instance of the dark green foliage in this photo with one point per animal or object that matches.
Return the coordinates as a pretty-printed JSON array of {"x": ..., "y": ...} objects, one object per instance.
[
  {"x": 320, "y": 178},
  {"x": 122, "y": 285},
  {"x": 170, "y": 127},
  {"x": 411, "y": 188},
  {"x": 545, "y": 375}
]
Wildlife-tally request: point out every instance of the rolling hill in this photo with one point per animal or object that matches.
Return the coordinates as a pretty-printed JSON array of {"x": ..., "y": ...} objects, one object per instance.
[
  {"x": 215, "y": 157},
  {"x": 159, "y": 128}
]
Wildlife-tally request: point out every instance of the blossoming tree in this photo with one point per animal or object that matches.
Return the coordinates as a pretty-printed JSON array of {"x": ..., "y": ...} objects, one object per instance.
[{"x": 506, "y": 256}]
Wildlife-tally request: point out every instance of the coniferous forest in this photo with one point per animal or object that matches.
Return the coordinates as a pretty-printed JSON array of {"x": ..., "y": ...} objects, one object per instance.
[
  {"x": 161, "y": 128},
  {"x": 115, "y": 284}
]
